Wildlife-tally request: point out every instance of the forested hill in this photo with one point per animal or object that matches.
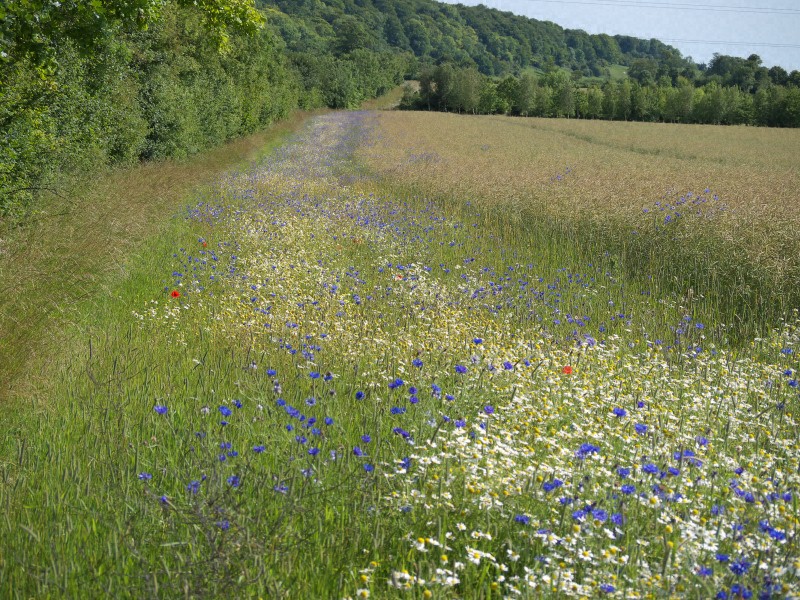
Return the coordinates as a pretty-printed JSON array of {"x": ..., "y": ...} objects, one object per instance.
[{"x": 494, "y": 42}]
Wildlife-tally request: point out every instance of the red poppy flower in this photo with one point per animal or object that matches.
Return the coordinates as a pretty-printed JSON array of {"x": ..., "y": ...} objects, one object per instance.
[
  {"x": 205, "y": 243},
  {"x": 176, "y": 294},
  {"x": 567, "y": 370}
]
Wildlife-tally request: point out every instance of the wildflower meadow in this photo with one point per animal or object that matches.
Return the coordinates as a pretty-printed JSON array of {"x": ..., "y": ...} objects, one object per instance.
[{"x": 323, "y": 382}]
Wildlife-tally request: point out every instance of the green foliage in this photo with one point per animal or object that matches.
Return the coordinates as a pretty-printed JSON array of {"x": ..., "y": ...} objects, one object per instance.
[
  {"x": 37, "y": 29},
  {"x": 162, "y": 92}
]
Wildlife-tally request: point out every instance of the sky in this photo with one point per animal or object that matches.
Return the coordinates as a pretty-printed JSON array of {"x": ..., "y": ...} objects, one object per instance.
[{"x": 769, "y": 28}]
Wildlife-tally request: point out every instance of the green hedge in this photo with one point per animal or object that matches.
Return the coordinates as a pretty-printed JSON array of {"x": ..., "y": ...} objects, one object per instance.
[{"x": 164, "y": 92}]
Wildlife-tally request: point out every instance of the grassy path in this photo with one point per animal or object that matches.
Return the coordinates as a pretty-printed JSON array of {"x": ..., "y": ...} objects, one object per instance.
[{"x": 317, "y": 386}]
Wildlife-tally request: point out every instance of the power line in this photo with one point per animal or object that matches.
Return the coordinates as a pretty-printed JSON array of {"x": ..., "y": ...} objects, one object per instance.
[
  {"x": 681, "y": 6},
  {"x": 715, "y": 42}
]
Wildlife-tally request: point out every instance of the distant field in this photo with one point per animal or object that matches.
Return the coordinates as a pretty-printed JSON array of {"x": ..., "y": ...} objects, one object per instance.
[{"x": 622, "y": 185}]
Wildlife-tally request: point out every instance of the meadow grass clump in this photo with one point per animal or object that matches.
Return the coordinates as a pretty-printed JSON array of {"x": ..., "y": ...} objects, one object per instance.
[{"x": 318, "y": 384}]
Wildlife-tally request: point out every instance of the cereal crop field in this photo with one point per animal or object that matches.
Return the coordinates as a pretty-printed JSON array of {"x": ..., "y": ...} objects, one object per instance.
[{"x": 428, "y": 356}]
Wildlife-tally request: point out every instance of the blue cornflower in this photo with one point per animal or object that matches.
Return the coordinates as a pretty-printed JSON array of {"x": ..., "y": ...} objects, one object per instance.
[
  {"x": 460, "y": 423},
  {"x": 737, "y": 589},
  {"x": 280, "y": 402},
  {"x": 628, "y": 489},
  {"x": 436, "y": 390},
  {"x": 311, "y": 401},
  {"x": 617, "y": 519},
  {"x": 237, "y": 404},
  {"x": 358, "y": 451},
  {"x": 328, "y": 376},
  {"x": 224, "y": 525},
  {"x": 416, "y": 362},
  {"x": 640, "y": 428},
  {"x": 524, "y": 519},
  {"x": 366, "y": 438},
  {"x": 587, "y": 449},
  {"x": 160, "y": 409},
  {"x": 508, "y": 366},
  {"x": 314, "y": 375},
  {"x": 787, "y": 351},
  {"x": 619, "y": 412},
  {"x": 369, "y": 468},
  {"x": 623, "y": 472},
  {"x": 193, "y": 487},
  {"x": 271, "y": 372},
  {"x": 723, "y": 558},
  {"x": 328, "y": 421},
  {"x": 607, "y": 588},
  {"x": 234, "y": 481},
  {"x": 488, "y": 409},
  {"x": 313, "y": 451},
  {"x": 226, "y": 412},
  {"x": 739, "y": 567},
  {"x": 300, "y": 439},
  {"x": 145, "y": 476},
  {"x": 600, "y": 515},
  {"x": 449, "y": 397},
  {"x": 164, "y": 500},
  {"x": 413, "y": 399},
  {"x": 549, "y": 486},
  {"x": 477, "y": 340},
  {"x": 579, "y": 515},
  {"x": 398, "y": 410},
  {"x": 412, "y": 390},
  {"x": 705, "y": 571},
  {"x": 359, "y": 395},
  {"x": 674, "y": 471},
  {"x": 402, "y": 432},
  {"x": 396, "y": 383},
  {"x": 259, "y": 449},
  {"x": 650, "y": 468},
  {"x": 776, "y": 534},
  {"x": 461, "y": 369}
]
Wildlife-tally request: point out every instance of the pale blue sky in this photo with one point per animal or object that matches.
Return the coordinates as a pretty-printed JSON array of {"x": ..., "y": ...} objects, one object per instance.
[{"x": 768, "y": 28}]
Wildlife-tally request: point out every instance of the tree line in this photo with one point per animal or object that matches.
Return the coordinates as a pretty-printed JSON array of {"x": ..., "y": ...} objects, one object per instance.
[{"x": 557, "y": 93}]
